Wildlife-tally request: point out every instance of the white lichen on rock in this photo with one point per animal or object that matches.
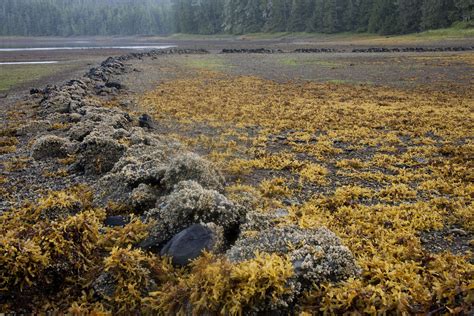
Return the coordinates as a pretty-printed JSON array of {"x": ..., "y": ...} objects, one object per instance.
[
  {"x": 190, "y": 203},
  {"x": 50, "y": 146},
  {"x": 190, "y": 166},
  {"x": 99, "y": 153},
  {"x": 317, "y": 254}
]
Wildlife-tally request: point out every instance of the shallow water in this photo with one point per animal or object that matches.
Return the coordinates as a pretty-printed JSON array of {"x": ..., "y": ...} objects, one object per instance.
[
  {"x": 21, "y": 49},
  {"x": 28, "y": 62}
]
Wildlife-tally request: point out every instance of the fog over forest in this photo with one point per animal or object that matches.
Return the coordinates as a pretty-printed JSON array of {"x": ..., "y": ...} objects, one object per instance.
[{"x": 149, "y": 17}]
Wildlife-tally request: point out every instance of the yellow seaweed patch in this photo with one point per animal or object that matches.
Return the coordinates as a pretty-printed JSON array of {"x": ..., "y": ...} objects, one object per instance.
[
  {"x": 314, "y": 173},
  {"x": 377, "y": 165},
  {"x": 216, "y": 285}
]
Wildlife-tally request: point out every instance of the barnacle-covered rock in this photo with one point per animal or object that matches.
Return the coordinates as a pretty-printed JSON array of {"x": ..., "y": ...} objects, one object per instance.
[
  {"x": 58, "y": 101},
  {"x": 98, "y": 153},
  {"x": 80, "y": 130},
  {"x": 189, "y": 204},
  {"x": 50, "y": 146},
  {"x": 110, "y": 117},
  {"x": 104, "y": 121},
  {"x": 63, "y": 118},
  {"x": 143, "y": 163},
  {"x": 143, "y": 197},
  {"x": 317, "y": 254},
  {"x": 190, "y": 166},
  {"x": 189, "y": 244}
]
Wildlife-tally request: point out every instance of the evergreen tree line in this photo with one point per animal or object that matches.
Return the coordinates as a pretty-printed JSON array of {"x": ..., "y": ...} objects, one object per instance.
[
  {"x": 84, "y": 17},
  {"x": 147, "y": 17}
]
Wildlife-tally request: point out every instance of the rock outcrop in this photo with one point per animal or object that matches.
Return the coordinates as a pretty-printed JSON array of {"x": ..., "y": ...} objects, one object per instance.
[{"x": 317, "y": 254}]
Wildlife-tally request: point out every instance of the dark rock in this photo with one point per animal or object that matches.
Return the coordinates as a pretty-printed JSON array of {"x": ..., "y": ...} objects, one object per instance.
[
  {"x": 189, "y": 244},
  {"x": 151, "y": 243},
  {"x": 316, "y": 50},
  {"x": 35, "y": 91},
  {"x": 116, "y": 221},
  {"x": 115, "y": 84},
  {"x": 250, "y": 51},
  {"x": 146, "y": 121}
]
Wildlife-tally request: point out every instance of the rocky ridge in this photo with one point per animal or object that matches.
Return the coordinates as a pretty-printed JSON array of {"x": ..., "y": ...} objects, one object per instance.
[
  {"x": 354, "y": 50},
  {"x": 131, "y": 167}
]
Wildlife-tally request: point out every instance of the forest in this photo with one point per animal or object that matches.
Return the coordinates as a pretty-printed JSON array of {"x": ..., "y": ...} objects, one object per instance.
[{"x": 150, "y": 17}]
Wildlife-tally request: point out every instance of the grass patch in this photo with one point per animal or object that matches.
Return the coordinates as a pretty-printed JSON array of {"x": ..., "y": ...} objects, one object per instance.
[
  {"x": 15, "y": 75},
  {"x": 337, "y": 81},
  {"x": 452, "y": 32},
  {"x": 182, "y": 36},
  {"x": 279, "y": 35},
  {"x": 346, "y": 82},
  {"x": 457, "y": 31},
  {"x": 205, "y": 63},
  {"x": 288, "y": 61}
]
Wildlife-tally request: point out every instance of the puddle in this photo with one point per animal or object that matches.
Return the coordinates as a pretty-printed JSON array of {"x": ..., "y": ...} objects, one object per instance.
[
  {"x": 28, "y": 62},
  {"x": 22, "y": 49}
]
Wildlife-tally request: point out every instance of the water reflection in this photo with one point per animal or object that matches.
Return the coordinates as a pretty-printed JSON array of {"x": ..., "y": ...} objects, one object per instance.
[{"x": 21, "y": 49}]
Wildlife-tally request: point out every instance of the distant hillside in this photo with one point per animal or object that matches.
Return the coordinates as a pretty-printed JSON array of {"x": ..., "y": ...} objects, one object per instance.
[{"x": 146, "y": 17}]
